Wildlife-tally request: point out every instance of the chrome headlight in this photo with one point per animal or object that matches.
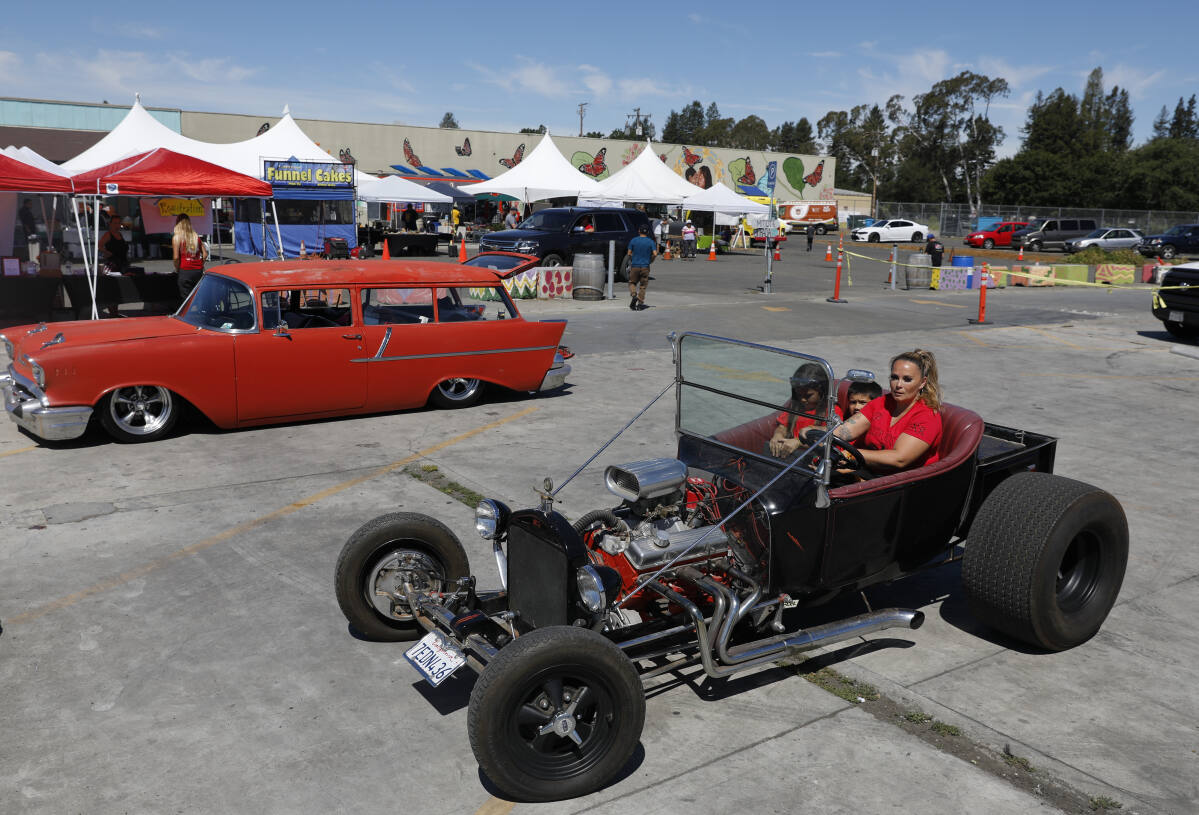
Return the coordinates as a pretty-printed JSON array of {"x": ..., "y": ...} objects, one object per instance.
[
  {"x": 7, "y": 346},
  {"x": 591, "y": 589},
  {"x": 526, "y": 247},
  {"x": 491, "y": 519}
]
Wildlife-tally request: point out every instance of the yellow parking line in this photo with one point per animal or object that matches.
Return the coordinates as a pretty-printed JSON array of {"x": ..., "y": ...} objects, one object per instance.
[
  {"x": 495, "y": 806},
  {"x": 974, "y": 339},
  {"x": 937, "y": 303},
  {"x": 1053, "y": 337},
  {"x": 245, "y": 526},
  {"x": 776, "y": 308},
  {"x": 18, "y": 450}
]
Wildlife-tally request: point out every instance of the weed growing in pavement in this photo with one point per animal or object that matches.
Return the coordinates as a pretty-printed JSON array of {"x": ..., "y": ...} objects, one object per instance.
[
  {"x": 917, "y": 717},
  {"x": 429, "y": 474},
  {"x": 1014, "y": 760},
  {"x": 945, "y": 729},
  {"x": 1102, "y": 802},
  {"x": 851, "y": 690}
]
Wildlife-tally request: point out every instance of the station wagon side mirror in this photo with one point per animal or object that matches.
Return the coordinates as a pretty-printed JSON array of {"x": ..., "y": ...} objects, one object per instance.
[
  {"x": 674, "y": 348},
  {"x": 281, "y": 329},
  {"x": 859, "y": 375}
]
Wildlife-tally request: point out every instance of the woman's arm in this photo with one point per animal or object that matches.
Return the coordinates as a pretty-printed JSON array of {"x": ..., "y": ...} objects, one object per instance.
[
  {"x": 103, "y": 245},
  {"x": 175, "y": 252},
  {"x": 907, "y": 451},
  {"x": 854, "y": 428}
]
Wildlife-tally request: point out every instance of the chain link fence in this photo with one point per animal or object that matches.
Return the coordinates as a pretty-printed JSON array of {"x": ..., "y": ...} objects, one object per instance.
[{"x": 957, "y": 219}]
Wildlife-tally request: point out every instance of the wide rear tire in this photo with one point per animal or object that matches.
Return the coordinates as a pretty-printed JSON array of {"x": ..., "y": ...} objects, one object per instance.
[
  {"x": 383, "y": 555},
  {"x": 534, "y": 742},
  {"x": 457, "y": 393},
  {"x": 1045, "y": 559}
]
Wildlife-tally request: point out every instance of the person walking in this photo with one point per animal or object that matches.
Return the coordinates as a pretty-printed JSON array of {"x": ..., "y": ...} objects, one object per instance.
[
  {"x": 689, "y": 240},
  {"x": 641, "y": 254},
  {"x": 511, "y": 219},
  {"x": 811, "y": 234}
]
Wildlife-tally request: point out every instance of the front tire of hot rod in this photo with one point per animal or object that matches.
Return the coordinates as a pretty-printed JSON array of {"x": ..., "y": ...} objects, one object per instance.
[
  {"x": 1045, "y": 559},
  {"x": 556, "y": 714},
  {"x": 383, "y": 555}
]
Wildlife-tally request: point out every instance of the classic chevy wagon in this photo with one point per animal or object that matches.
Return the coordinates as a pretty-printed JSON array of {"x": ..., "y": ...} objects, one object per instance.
[{"x": 264, "y": 343}]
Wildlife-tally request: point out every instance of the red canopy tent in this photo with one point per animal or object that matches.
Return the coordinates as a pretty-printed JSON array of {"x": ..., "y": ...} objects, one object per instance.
[
  {"x": 165, "y": 172},
  {"x": 162, "y": 172},
  {"x": 21, "y": 177}
]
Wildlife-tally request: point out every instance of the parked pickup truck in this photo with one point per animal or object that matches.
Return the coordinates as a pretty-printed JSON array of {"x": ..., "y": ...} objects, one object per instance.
[
  {"x": 1177, "y": 240},
  {"x": 717, "y": 556},
  {"x": 1176, "y": 304},
  {"x": 998, "y": 235}
]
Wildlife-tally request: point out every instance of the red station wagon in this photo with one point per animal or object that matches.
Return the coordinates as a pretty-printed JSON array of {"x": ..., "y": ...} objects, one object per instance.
[
  {"x": 264, "y": 343},
  {"x": 998, "y": 235}
]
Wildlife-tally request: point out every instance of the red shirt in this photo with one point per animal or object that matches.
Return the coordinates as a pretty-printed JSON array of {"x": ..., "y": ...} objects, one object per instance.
[
  {"x": 920, "y": 422},
  {"x": 801, "y": 422}
]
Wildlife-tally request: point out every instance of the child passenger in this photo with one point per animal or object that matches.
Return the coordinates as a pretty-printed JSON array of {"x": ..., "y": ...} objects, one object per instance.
[
  {"x": 859, "y": 395},
  {"x": 809, "y": 394}
]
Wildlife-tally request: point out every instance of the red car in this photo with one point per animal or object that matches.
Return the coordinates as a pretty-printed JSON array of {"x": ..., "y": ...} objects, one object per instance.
[
  {"x": 999, "y": 234},
  {"x": 265, "y": 343}
]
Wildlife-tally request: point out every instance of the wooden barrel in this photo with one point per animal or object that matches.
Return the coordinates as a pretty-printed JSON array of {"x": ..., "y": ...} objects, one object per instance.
[
  {"x": 918, "y": 273},
  {"x": 589, "y": 277}
]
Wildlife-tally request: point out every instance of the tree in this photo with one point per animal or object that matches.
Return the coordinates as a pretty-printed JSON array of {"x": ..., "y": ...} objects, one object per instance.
[
  {"x": 593, "y": 134},
  {"x": 1184, "y": 124},
  {"x": 751, "y": 133},
  {"x": 862, "y": 142},
  {"x": 1161, "y": 125},
  {"x": 805, "y": 140},
  {"x": 538, "y": 129},
  {"x": 717, "y": 132},
  {"x": 793, "y": 137},
  {"x": 449, "y": 121},
  {"x": 1163, "y": 174},
  {"x": 685, "y": 126}
]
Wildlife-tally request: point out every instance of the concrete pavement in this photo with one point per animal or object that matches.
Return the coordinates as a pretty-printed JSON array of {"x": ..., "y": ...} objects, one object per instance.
[{"x": 171, "y": 639}]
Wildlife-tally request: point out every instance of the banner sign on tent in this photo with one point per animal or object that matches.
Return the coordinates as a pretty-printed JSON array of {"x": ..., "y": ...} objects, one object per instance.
[
  {"x": 158, "y": 214},
  {"x": 297, "y": 174},
  {"x": 112, "y": 189}
]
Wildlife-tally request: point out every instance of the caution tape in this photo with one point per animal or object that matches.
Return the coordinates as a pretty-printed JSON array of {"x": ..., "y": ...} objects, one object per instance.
[{"x": 1057, "y": 281}]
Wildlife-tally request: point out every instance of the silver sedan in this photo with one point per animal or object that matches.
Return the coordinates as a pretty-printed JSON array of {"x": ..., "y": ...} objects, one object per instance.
[{"x": 1106, "y": 238}]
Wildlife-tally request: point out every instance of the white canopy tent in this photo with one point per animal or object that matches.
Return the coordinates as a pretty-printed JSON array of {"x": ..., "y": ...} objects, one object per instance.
[
  {"x": 720, "y": 199},
  {"x": 544, "y": 173},
  {"x": 34, "y": 159},
  {"x": 393, "y": 189},
  {"x": 646, "y": 180}
]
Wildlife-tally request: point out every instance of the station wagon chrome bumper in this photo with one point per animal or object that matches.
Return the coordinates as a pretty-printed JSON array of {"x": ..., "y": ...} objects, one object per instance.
[
  {"x": 26, "y": 405},
  {"x": 555, "y": 377}
]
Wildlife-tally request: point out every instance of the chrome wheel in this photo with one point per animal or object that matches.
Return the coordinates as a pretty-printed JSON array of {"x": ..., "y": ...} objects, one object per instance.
[
  {"x": 457, "y": 392},
  {"x": 139, "y": 412}
]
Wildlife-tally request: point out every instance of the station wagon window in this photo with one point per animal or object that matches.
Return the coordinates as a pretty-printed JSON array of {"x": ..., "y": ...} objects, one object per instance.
[
  {"x": 1049, "y": 226},
  {"x": 1069, "y": 226},
  {"x": 306, "y": 308},
  {"x": 220, "y": 303},
  {"x": 457, "y": 305},
  {"x": 398, "y": 305}
]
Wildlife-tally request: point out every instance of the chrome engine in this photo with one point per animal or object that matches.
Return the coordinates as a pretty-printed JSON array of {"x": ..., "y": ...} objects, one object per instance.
[{"x": 658, "y": 528}]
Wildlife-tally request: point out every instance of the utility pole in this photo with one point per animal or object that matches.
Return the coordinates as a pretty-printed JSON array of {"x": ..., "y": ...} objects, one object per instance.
[
  {"x": 582, "y": 107},
  {"x": 634, "y": 120}
]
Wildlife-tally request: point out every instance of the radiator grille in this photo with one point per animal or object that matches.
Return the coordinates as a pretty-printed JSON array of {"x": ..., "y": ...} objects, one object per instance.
[{"x": 539, "y": 576}]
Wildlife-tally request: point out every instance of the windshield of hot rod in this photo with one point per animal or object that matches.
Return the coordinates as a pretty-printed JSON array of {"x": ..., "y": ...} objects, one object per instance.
[{"x": 738, "y": 393}]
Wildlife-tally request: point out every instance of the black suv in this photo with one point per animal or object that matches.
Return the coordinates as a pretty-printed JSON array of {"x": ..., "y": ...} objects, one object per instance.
[
  {"x": 1177, "y": 240},
  {"x": 557, "y": 234}
]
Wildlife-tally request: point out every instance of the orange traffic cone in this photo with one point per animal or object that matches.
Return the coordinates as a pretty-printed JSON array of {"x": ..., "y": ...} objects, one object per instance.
[
  {"x": 462, "y": 250},
  {"x": 666, "y": 255},
  {"x": 828, "y": 252},
  {"x": 386, "y": 249},
  {"x": 778, "y": 251},
  {"x": 712, "y": 249},
  {"x": 1021, "y": 256}
]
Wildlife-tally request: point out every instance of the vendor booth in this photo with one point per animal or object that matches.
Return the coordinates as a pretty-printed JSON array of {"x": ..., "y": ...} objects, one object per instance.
[
  {"x": 23, "y": 296},
  {"x": 314, "y": 203}
]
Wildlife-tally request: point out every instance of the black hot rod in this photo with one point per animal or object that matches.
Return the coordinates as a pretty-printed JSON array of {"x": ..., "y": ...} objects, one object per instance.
[{"x": 704, "y": 553}]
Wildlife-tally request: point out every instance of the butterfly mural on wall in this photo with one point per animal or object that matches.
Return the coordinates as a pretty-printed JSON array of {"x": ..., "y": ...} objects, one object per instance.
[
  {"x": 409, "y": 156},
  {"x": 464, "y": 150},
  {"x": 813, "y": 178},
  {"x": 597, "y": 166},
  {"x": 345, "y": 156},
  {"x": 517, "y": 157},
  {"x": 690, "y": 158}
]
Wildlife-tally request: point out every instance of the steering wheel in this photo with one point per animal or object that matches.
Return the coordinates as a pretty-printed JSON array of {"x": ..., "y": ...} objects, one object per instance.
[{"x": 845, "y": 455}]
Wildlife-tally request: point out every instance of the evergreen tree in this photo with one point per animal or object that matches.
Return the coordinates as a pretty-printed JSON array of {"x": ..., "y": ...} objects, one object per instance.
[{"x": 449, "y": 121}]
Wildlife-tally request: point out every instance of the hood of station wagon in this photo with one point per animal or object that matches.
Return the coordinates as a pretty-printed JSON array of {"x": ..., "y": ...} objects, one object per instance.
[{"x": 94, "y": 332}]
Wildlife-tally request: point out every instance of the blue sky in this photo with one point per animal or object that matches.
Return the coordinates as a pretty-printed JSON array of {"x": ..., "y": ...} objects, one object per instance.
[{"x": 503, "y": 66}]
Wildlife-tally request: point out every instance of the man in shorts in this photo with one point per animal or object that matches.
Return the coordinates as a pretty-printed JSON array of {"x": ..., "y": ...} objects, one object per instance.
[{"x": 641, "y": 254}]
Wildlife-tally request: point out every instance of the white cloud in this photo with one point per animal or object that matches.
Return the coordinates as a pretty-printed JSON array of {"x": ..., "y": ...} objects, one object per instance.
[
  {"x": 1017, "y": 76},
  {"x": 646, "y": 87},
  {"x": 10, "y": 64},
  {"x": 595, "y": 80},
  {"x": 824, "y": 54},
  {"x": 1132, "y": 79}
]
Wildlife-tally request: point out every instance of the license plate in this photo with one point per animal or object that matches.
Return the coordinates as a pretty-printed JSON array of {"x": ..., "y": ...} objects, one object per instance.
[
  {"x": 435, "y": 657},
  {"x": 1175, "y": 316}
]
